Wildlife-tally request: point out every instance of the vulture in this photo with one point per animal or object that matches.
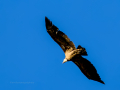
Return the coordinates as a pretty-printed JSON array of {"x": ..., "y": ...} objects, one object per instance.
[{"x": 72, "y": 53}]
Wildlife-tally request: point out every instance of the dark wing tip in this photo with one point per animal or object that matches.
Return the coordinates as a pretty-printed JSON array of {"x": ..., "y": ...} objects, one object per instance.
[
  {"x": 101, "y": 82},
  {"x": 46, "y": 19},
  {"x": 98, "y": 80},
  {"x": 48, "y": 23}
]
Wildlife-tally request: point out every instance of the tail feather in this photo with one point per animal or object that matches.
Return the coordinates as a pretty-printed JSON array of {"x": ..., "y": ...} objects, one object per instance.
[{"x": 83, "y": 50}]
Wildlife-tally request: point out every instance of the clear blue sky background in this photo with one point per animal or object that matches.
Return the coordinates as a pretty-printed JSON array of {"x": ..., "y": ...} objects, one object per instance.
[{"x": 31, "y": 60}]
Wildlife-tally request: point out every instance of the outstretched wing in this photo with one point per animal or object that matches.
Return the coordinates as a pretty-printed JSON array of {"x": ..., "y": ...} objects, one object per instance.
[
  {"x": 87, "y": 68},
  {"x": 58, "y": 36}
]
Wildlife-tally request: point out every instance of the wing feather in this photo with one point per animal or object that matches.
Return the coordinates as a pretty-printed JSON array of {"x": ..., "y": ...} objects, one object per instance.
[
  {"x": 87, "y": 68},
  {"x": 58, "y": 36}
]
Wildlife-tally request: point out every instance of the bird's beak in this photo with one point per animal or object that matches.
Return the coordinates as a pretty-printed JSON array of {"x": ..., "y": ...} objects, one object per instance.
[{"x": 65, "y": 60}]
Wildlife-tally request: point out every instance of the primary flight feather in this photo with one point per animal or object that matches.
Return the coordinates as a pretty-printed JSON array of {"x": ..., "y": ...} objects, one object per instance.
[{"x": 71, "y": 52}]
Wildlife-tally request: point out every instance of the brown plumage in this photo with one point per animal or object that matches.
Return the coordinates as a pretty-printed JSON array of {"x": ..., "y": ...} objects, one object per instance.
[{"x": 71, "y": 53}]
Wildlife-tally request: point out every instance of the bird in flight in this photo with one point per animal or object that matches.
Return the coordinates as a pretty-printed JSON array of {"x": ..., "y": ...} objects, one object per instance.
[{"x": 71, "y": 52}]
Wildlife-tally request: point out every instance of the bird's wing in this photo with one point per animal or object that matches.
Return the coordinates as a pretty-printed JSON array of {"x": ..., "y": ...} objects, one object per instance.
[
  {"x": 58, "y": 36},
  {"x": 87, "y": 68}
]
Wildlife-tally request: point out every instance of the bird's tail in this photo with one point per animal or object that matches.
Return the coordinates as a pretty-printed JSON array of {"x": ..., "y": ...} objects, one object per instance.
[{"x": 83, "y": 50}]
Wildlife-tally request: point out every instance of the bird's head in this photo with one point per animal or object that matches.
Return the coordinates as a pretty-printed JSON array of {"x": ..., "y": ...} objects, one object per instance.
[{"x": 65, "y": 60}]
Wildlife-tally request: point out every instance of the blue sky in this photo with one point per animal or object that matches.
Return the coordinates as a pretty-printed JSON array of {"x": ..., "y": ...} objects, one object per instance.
[{"x": 31, "y": 60}]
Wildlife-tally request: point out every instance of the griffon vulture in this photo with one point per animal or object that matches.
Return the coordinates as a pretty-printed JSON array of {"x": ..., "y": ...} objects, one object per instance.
[{"x": 71, "y": 52}]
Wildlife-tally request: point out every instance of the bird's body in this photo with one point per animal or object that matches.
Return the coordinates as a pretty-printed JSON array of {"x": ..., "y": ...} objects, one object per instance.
[{"x": 71, "y": 52}]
